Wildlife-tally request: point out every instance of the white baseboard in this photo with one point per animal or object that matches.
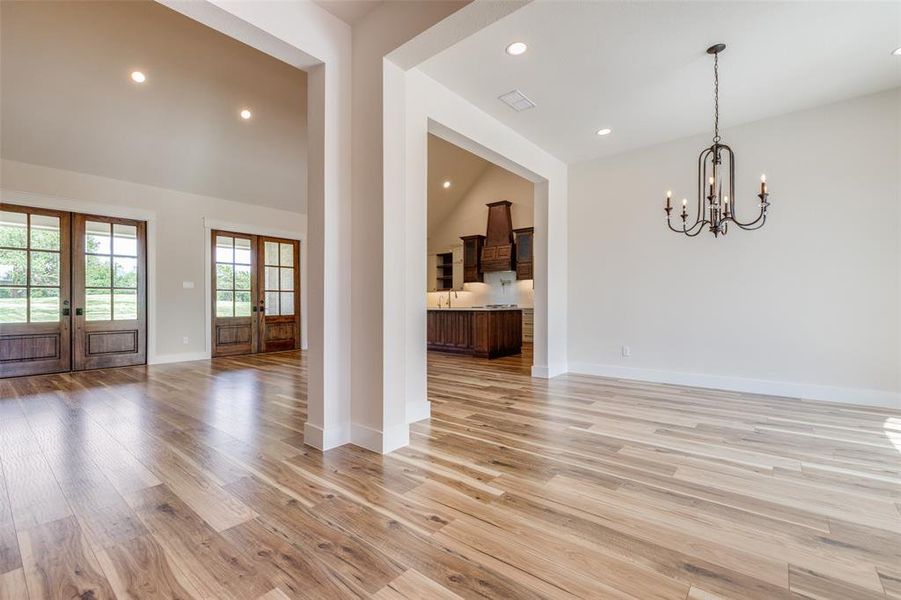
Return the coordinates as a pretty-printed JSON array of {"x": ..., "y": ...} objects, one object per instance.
[
  {"x": 162, "y": 359},
  {"x": 547, "y": 372},
  {"x": 805, "y": 391},
  {"x": 419, "y": 411},
  {"x": 323, "y": 439},
  {"x": 382, "y": 442}
]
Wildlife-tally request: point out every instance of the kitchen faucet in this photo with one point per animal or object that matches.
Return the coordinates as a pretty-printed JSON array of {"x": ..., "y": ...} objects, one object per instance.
[{"x": 448, "y": 298}]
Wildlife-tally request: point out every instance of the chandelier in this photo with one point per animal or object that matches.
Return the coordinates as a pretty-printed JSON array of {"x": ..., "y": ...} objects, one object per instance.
[{"x": 716, "y": 168}]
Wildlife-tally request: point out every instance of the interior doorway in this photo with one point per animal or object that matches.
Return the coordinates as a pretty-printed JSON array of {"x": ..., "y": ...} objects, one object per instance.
[
  {"x": 72, "y": 291},
  {"x": 255, "y": 300},
  {"x": 479, "y": 286}
]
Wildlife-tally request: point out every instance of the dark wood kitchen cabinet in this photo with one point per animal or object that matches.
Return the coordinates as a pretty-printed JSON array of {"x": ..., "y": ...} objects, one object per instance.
[
  {"x": 525, "y": 237},
  {"x": 472, "y": 258},
  {"x": 479, "y": 332}
]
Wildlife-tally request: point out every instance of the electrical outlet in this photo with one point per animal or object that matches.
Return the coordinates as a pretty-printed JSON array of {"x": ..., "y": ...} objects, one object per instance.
[
  {"x": 184, "y": 340},
  {"x": 627, "y": 351}
]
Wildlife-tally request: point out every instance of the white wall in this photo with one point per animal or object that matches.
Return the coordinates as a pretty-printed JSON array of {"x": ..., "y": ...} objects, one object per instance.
[
  {"x": 179, "y": 242},
  {"x": 469, "y": 217},
  {"x": 807, "y": 306}
]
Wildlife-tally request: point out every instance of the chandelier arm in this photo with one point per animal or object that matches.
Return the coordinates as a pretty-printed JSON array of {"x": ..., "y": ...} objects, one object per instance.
[
  {"x": 745, "y": 224},
  {"x": 696, "y": 232},
  {"x": 757, "y": 224},
  {"x": 697, "y": 225}
]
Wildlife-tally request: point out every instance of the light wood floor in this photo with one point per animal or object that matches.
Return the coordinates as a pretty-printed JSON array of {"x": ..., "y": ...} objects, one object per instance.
[{"x": 192, "y": 481}]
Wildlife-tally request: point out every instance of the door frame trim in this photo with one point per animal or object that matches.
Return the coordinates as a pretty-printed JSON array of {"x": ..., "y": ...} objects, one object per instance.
[
  {"x": 211, "y": 223},
  {"x": 71, "y": 205}
]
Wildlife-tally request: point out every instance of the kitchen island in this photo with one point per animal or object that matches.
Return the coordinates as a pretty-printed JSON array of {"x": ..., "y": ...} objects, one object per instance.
[{"x": 486, "y": 332}]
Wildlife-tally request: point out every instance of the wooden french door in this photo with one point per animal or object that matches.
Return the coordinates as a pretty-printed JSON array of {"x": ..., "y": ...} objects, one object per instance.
[
  {"x": 35, "y": 326},
  {"x": 109, "y": 283},
  {"x": 255, "y": 294},
  {"x": 72, "y": 291},
  {"x": 280, "y": 294}
]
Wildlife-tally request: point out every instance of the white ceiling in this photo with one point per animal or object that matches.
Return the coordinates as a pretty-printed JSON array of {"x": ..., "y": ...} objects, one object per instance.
[
  {"x": 640, "y": 68},
  {"x": 68, "y": 102},
  {"x": 448, "y": 162},
  {"x": 349, "y": 11}
]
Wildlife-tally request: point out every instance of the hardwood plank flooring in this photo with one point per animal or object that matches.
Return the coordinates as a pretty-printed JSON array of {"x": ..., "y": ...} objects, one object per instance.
[{"x": 192, "y": 481}]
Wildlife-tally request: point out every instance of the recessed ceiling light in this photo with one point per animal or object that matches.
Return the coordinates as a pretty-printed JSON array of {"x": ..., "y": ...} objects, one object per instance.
[
  {"x": 246, "y": 114},
  {"x": 604, "y": 131},
  {"x": 516, "y": 48},
  {"x": 138, "y": 77},
  {"x": 897, "y": 51},
  {"x": 446, "y": 184}
]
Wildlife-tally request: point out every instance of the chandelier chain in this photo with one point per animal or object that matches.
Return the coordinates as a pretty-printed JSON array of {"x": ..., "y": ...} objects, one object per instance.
[{"x": 716, "y": 98}]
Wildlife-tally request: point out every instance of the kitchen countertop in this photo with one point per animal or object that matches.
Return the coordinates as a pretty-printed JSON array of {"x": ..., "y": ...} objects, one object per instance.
[{"x": 477, "y": 308}]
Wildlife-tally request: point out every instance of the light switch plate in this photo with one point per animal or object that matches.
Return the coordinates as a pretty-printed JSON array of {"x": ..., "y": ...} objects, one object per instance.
[{"x": 188, "y": 285}]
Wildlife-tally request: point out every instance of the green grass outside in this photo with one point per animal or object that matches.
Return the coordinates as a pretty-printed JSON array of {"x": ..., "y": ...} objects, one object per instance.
[{"x": 98, "y": 308}]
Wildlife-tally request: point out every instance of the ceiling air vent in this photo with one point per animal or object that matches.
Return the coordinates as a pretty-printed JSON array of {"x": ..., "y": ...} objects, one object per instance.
[{"x": 517, "y": 101}]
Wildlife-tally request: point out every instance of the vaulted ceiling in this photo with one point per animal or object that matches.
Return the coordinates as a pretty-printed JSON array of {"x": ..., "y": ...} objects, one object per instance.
[
  {"x": 640, "y": 68},
  {"x": 461, "y": 168},
  {"x": 68, "y": 101}
]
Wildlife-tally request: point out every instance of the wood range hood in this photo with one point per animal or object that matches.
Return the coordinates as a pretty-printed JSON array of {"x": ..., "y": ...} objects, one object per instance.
[{"x": 497, "y": 252}]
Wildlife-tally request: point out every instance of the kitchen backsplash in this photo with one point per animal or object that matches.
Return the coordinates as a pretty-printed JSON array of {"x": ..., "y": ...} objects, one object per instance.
[{"x": 500, "y": 287}]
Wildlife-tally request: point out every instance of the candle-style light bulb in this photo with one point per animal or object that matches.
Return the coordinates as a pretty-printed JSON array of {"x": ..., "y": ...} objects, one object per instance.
[
  {"x": 726, "y": 205},
  {"x": 763, "y": 184},
  {"x": 684, "y": 202},
  {"x": 669, "y": 197}
]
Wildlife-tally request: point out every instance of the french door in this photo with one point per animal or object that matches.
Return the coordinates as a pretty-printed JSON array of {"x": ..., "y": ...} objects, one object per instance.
[
  {"x": 256, "y": 294},
  {"x": 109, "y": 292},
  {"x": 72, "y": 291}
]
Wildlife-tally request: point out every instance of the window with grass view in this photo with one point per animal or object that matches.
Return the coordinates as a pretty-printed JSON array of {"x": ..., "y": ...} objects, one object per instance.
[
  {"x": 111, "y": 271},
  {"x": 29, "y": 268},
  {"x": 232, "y": 277}
]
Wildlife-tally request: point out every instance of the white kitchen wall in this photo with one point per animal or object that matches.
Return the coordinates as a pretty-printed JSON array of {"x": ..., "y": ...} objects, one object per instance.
[
  {"x": 181, "y": 241},
  {"x": 807, "y": 306},
  {"x": 470, "y": 217}
]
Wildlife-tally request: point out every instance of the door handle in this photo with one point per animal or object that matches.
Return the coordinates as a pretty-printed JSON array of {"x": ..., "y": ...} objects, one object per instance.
[
  {"x": 79, "y": 312},
  {"x": 66, "y": 312}
]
